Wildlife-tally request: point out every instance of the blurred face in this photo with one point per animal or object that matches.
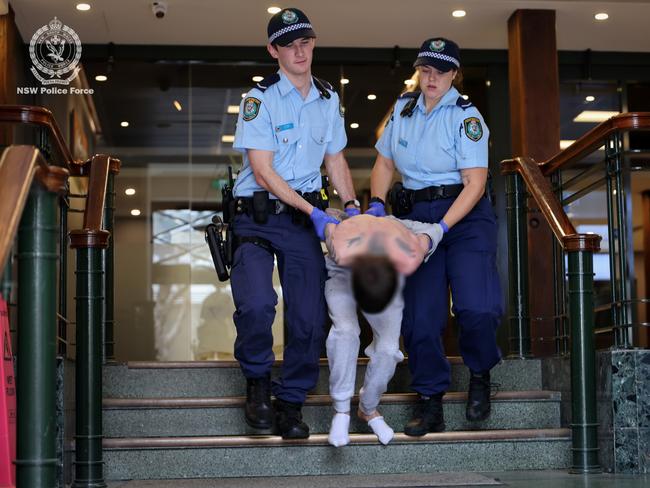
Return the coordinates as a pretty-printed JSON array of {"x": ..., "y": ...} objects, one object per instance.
[
  {"x": 294, "y": 58},
  {"x": 435, "y": 83}
]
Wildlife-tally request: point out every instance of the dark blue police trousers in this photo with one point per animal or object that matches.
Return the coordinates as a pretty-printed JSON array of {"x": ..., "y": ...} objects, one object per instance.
[
  {"x": 301, "y": 268},
  {"x": 465, "y": 264}
]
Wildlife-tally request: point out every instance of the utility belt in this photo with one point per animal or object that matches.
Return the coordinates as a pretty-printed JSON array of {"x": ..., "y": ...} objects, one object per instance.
[
  {"x": 260, "y": 206},
  {"x": 402, "y": 199}
]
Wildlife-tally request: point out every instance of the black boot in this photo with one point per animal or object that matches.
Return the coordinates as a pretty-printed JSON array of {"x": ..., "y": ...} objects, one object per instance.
[
  {"x": 288, "y": 420},
  {"x": 427, "y": 417},
  {"x": 258, "y": 410},
  {"x": 478, "y": 397}
]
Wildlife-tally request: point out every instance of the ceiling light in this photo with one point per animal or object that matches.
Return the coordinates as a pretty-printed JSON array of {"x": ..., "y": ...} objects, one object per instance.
[
  {"x": 178, "y": 105},
  {"x": 590, "y": 98},
  {"x": 101, "y": 78},
  {"x": 233, "y": 109},
  {"x": 135, "y": 212},
  {"x": 601, "y": 16},
  {"x": 273, "y": 10},
  {"x": 372, "y": 96},
  {"x": 594, "y": 116},
  {"x": 459, "y": 13},
  {"x": 409, "y": 82},
  {"x": 344, "y": 81},
  {"x": 130, "y": 191},
  {"x": 124, "y": 123},
  {"x": 228, "y": 138},
  {"x": 564, "y": 143},
  {"x": 257, "y": 78},
  {"x": 488, "y": 83},
  {"x": 84, "y": 7},
  {"x": 354, "y": 125}
]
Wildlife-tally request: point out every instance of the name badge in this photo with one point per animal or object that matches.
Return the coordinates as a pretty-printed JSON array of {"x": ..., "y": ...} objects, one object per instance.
[
  {"x": 282, "y": 127},
  {"x": 403, "y": 143}
]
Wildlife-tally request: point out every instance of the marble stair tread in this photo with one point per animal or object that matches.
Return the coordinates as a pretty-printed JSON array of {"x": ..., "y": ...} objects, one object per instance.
[
  {"x": 321, "y": 439},
  {"x": 389, "y": 398}
]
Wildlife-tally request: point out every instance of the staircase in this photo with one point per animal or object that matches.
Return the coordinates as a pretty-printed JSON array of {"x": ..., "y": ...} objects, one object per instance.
[{"x": 185, "y": 420}]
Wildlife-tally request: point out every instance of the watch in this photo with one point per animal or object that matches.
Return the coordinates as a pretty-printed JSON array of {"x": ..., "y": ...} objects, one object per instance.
[
  {"x": 378, "y": 200},
  {"x": 354, "y": 202}
]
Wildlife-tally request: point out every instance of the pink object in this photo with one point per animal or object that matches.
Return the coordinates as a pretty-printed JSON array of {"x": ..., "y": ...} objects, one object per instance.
[{"x": 7, "y": 404}]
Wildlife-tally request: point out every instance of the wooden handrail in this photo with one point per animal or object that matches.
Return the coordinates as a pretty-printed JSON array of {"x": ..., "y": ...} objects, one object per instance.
[
  {"x": 595, "y": 138},
  {"x": 26, "y": 114},
  {"x": 19, "y": 165},
  {"x": 540, "y": 189}
]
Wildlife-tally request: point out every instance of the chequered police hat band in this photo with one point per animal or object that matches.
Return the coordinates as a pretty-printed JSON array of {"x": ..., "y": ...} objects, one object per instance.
[
  {"x": 281, "y": 32},
  {"x": 444, "y": 57}
]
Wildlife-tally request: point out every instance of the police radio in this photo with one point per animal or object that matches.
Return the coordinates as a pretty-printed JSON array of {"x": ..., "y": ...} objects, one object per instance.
[{"x": 220, "y": 248}]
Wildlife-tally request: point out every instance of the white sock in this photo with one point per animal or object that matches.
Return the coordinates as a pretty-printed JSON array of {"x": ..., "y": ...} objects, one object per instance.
[
  {"x": 381, "y": 429},
  {"x": 339, "y": 430}
]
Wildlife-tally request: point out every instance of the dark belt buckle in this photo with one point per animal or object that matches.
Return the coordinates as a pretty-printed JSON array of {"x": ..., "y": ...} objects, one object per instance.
[{"x": 280, "y": 207}]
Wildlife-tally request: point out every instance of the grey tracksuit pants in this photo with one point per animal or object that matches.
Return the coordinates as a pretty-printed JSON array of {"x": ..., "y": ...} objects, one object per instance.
[{"x": 343, "y": 342}]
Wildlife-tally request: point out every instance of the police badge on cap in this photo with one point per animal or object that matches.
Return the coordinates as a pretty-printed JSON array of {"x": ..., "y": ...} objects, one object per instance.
[
  {"x": 288, "y": 25},
  {"x": 441, "y": 53}
]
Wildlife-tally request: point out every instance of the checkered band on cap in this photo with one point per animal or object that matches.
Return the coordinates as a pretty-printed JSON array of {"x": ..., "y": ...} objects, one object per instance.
[
  {"x": 290, "y": 28},
  {"x": 444, "y": 57}
]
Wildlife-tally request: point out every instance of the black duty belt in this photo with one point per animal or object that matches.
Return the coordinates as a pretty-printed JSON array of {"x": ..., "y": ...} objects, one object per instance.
[
  {"x": 274, "y": 207},
  {"x": 437, "y": 192}
]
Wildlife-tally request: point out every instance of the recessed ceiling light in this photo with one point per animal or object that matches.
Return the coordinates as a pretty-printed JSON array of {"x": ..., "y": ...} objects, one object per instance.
[
  {"x": 601, "y": 16},
  {"x": 344, "y": 81},
  {"x": 84, "y": 7},
  {"x": 101, "y": 78},
  {"x": 257, "y": 78},
  {"x": 594, "y": 115},
  {"x": 488, "y": 83},
  {"x": 273, "y": 10},
  {"x": 372, "y": 96},
  {"x": 564, "y": 143},
  {"x": 459, "y": 13},
  {"x": 233, "y": 109},
  {"x": 228, "y": 138},
  {"x": 354, "y": 125},
  {"x": 130, "y": 191},
  {"x": 124, "y": 123},
  {"x": 135, "y": 212},
  {"x": 409, "y": 82},
  {"x": 178, "y": 105},
  {"x": 590, "y": 98}
]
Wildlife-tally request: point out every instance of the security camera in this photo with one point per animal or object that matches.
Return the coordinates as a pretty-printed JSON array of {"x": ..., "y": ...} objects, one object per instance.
[{"x": 159, "y": 9}]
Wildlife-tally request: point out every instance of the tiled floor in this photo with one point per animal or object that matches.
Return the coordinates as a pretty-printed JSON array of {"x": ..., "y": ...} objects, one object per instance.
[{"x": 516, "y": 479}]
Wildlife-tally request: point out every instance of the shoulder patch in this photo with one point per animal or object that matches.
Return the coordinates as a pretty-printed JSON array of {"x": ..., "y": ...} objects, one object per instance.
[
  {"x": 411, "y": 94},
  {"x": 251, "y": 108},
  {"x": 473, "y": 128},
  {"x": 341, "y": 110},
  {"x": 267, "y": 82},
  {"x": 464, "y": 104}
]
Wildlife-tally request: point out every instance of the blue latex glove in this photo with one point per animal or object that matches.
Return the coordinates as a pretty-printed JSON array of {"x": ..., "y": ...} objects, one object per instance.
[
  {"x": 377, "y": 209},
  {"x": 320, "y": 220},
  {"x": 352, "y": 211}
]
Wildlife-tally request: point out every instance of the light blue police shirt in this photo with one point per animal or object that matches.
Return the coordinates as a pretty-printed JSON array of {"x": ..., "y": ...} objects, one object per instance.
[
  {"x": 299, "y": 132},
  {"x": 431, "y": 149}
]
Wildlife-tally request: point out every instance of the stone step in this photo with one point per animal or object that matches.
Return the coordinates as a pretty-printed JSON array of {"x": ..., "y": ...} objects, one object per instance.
[
  {"x": 224, "y": 378},
  {"x": 156, "y": 417},
  {"x": 241, "y": 456}
]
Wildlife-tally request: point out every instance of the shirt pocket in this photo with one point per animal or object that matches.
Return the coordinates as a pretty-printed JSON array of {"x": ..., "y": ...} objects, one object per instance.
[
  {"x": 283, "y": 160},
  {"x": 321, "y": 135},
  {"x": 287, "y": 137}
]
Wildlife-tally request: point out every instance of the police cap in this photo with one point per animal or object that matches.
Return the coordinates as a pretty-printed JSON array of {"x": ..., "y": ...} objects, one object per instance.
[
  {"x": 288, "y": 25},
  {"x": 441, "y": 53}
]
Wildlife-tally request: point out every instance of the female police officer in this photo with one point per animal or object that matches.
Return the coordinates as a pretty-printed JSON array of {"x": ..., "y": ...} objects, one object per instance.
[{"x": 438, "y": 141}]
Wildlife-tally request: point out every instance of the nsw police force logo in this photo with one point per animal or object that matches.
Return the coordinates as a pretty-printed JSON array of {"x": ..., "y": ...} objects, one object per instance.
[
  {"x": 55, "y": 50},
  {"x": 437, "y": 45},
  {"x": 289, "y": 17}
]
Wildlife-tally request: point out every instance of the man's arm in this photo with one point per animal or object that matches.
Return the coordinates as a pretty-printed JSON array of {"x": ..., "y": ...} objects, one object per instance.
[
  {"x": 262, "y": 165},
  {"x": 429, "y": 235},
  {"x": 339, "y": 174}
]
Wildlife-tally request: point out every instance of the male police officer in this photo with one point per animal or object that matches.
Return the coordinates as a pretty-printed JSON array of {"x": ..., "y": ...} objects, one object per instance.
[{"x": 287, "y": 125}]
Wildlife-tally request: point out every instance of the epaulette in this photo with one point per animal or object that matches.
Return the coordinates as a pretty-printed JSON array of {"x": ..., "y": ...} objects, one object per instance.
[
  {"x": 323, "y": 87},
  {"x": 407, "y": 111},
  {"x": 267, "y": 82},
  {"x": 464, "y": 104}
]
